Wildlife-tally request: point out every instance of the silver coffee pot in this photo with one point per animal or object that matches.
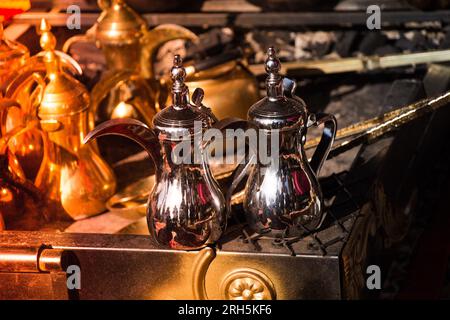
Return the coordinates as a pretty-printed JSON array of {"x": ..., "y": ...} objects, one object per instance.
[
  {"x": 186, "y": 209},
  {"x": 283, "y": 196}
]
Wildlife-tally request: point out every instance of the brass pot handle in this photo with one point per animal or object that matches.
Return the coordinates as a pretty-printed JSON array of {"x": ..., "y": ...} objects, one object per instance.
[
  {"x": 155, "y": 38},
  {"x": 89, "y": 36},
  {"x": 5, "y": 105}
]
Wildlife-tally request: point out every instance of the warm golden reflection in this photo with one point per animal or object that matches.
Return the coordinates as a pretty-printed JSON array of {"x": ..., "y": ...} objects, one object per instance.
[
  {"x": 126, "y": 88},
  {"x": 74, "y": 180}
]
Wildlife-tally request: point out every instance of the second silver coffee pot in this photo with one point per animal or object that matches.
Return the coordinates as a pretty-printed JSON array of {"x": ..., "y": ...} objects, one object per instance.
[{"x": 283, "y": 196}]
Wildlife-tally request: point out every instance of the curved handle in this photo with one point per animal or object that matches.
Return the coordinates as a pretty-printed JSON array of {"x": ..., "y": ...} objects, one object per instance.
[
  {"x": 134, "y": 130},
  {"x": 112, "y": 80},
  {"x": 89, "y": 36},
  {"x": 5, "y": 106},
  {"x": 326, "y": 141},
  {"x": 14, "y": 175},
  {"x": 39, "y": 92},
  {"x": 24, "y": 84},
  {"x": 197, "y": 98}
]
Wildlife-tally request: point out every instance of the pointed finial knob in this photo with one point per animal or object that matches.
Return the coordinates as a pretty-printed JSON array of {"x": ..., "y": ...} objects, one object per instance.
[
  {"x": 47, "y": 40},
  {"x": 274, "y": 81},
  {"x": 273, "y": 64},
  {"x": 180, "y": 92},
  {"x": 178, "y": 73},
  {"x": 48, "y": 44}
]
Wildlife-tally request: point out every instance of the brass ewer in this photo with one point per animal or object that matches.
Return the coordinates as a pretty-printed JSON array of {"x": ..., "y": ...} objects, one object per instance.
[
  {"x": 19, "y": 86},
  {"x": 125, "y": 90},
  {"x": 74, "y": 178},
  {"x": 186, "y": 209},
  {"x": 17, "y": 193}
]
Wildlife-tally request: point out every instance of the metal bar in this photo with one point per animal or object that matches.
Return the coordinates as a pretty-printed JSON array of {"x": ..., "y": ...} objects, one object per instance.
[
  {"x": 251, "y": 20},
  {"x": 359, "y": 64},
  {"x": 208, "y": 6},
  {"x": 374, "y": 127},
  {"x": 406, "y": 115},
  {"x": 33, "y": 259}
]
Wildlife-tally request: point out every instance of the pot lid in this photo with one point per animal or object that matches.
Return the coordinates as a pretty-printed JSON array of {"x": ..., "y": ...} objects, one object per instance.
[
  {"x": 181, "y": 117},
  {"x": 276, "y": 110}
]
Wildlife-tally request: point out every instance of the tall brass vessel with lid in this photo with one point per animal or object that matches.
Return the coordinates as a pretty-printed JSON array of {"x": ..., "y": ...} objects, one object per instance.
[{"x": 74, "y": 178}]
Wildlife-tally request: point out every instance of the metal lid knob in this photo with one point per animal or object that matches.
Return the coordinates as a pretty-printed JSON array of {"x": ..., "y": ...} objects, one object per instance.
[
  {"x": 273, "y": 64},
  {"x": 48, "y": 39},
  {"x": 180, "y": 92},
  {"x": 274, "y": 81},
  {"x": 61, "y": 93}
]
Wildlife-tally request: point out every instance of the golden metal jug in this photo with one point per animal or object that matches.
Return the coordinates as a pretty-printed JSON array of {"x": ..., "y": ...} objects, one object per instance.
[
  {"x": 12, "y": 57},
  {"x": 21, "y": 89},
  {"x": 17, "y": 194},
  {"x": 128, "y": 47},
  {"x": 186, "y": 209},
  {"x": 75, "y": 179},
  {"x": 283, "y": 197}
]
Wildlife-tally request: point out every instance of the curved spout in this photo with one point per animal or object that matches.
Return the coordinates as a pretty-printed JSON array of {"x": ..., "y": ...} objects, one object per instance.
[{"x": 134, "y": 130}]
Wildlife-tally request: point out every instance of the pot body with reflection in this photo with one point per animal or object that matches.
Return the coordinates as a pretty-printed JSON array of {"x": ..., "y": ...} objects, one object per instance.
[
  {"x": 186, "y": 209},
  {"x": 282, "y": 194}
]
